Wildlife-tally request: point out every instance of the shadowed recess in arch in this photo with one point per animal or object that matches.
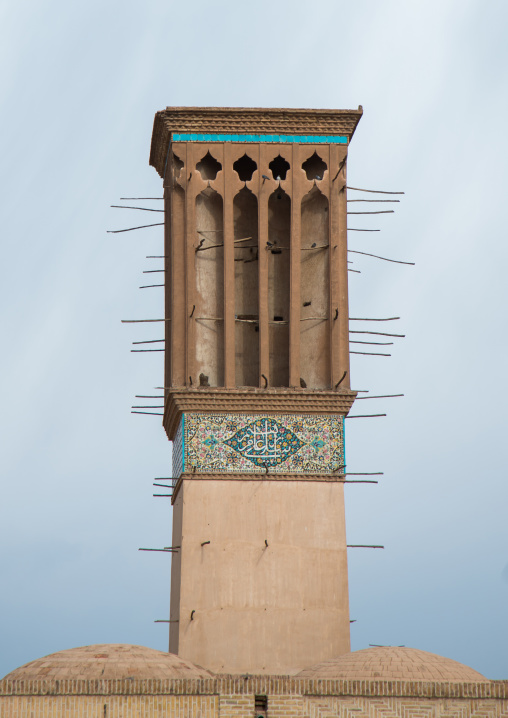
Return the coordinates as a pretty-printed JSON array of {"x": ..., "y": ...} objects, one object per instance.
[
  {"x": 279, "y": 236},
  {"x": 208, "y": 167},
  {"x": 314, "y": 277},
  {"x": 174, "y": 202},
  {"x": 279, "y": 168},
  {"x": 176, "y": 165},
  {"x": 315, "y": 167},
  {"x": 245, "y": 168},
  {"x": 245, "y": 217},
  {"x": 209, "y": 309}
]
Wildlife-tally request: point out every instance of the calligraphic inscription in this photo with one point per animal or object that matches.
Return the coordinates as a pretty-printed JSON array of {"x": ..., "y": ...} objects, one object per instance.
[
  {"x": 249, "y": 443},
  {"x": 265, "y": 442}
]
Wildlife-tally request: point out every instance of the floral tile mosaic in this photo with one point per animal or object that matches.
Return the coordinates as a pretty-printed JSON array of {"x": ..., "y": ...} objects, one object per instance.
[
  {"x": 178, "y": 458},
  {"x": 252, "y": 443}
]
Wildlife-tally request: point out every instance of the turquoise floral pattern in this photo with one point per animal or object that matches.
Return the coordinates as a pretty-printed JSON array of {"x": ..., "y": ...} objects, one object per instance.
[
  {"x": 242, "y": 443},
  {"x": 178, "y": 450}
]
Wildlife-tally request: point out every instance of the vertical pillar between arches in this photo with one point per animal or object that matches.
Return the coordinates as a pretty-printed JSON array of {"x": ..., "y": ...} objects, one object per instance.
[
  {"x": 295, "y": 193},
  {"x": 339, "y": 344},
  {"x": 190, "y": 234},
  {"x": 229, "y": 268},
  {"x": 168, "y": 279},
  {"x": 264, "y": 191}
]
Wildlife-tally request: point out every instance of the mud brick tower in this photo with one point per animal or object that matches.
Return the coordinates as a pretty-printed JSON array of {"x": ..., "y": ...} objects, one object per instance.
[
  {"x": 257, "y": 388},
  {"x": 256, "y": 382}
]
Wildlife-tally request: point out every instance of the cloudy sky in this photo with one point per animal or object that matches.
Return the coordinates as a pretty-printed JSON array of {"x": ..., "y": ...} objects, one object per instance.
[{"x": 80, "y": 84}]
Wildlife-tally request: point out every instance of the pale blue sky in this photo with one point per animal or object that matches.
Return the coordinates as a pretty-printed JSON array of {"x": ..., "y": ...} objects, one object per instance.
[{"x": 80, "y": 84}]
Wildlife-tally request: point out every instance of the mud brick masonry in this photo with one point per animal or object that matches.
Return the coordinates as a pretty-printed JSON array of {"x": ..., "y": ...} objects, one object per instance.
[
  {"x": 256, "y": 382},
  {"x": 256, "y": 390},
  {"x": 455, "y": 692}
]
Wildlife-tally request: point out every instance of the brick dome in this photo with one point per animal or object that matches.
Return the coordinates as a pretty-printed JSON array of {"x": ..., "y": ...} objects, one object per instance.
[
  {"x": 108, "y": 661},
  {"x": 392, "y": 663}
]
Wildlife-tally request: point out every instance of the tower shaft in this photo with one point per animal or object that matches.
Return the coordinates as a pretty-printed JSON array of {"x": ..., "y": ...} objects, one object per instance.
[{"x": 256, "y": 382}]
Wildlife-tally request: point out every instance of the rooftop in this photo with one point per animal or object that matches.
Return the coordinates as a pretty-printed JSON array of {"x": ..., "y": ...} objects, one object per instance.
[
  {"x": 246, "y": 120},
  {"x": 108, "y": 661},
  {"x": 392, "y": 663}
]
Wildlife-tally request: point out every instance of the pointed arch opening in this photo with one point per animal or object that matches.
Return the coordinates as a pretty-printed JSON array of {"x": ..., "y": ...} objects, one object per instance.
[
  {"x": 314, "y": 277},
  {"x": 174, "y": 206},
  {"x": 176, "y": 165},
  {"x": 245, "y": 218},
  {"x": 279, "y": 168},
  {"x": 208, "y": 167},
  {"x": 209, "y": 307},
  {"x": 279, "y": 237},
  {"x": 315, "y": 167},
  {"x": 245, "y": 168}
]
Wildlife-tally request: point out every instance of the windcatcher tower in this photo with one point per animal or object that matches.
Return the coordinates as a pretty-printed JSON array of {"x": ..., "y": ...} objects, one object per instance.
[{"x": 256, "y": 382}]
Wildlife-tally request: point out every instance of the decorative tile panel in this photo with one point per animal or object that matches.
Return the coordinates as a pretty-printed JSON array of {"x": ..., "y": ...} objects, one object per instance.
[
  {"x": 178, "y": 453},
  {"x": 253, "y": 443}
]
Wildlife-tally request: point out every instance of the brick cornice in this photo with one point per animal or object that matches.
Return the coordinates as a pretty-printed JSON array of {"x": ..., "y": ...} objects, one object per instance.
[
  {"x": 246, "y": 120},
  {"x": 252, "y": 401},
  {"x": 226, "y": 685}
]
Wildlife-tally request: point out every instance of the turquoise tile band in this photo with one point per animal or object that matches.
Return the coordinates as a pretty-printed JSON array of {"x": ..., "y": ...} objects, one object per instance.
[
  {"x": 254, "y": 443},
  {"x": 298, "y": 139}
]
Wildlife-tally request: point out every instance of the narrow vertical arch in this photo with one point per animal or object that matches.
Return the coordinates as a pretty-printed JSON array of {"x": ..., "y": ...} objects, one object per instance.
[
  {"x": 176, "y": 165},
  {"x": 245, "y": 218},
  {"x": 175, "y": 331},
  {"x": 209, "y": 309},
  {"x": 315, "y": 296},
  {"x": 279, "y": 237}
]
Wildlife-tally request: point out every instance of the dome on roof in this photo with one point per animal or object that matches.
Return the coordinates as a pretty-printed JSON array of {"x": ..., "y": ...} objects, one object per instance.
[
  {"x": 392, "y": 663},
  {"x": 108, "y": 661}
]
